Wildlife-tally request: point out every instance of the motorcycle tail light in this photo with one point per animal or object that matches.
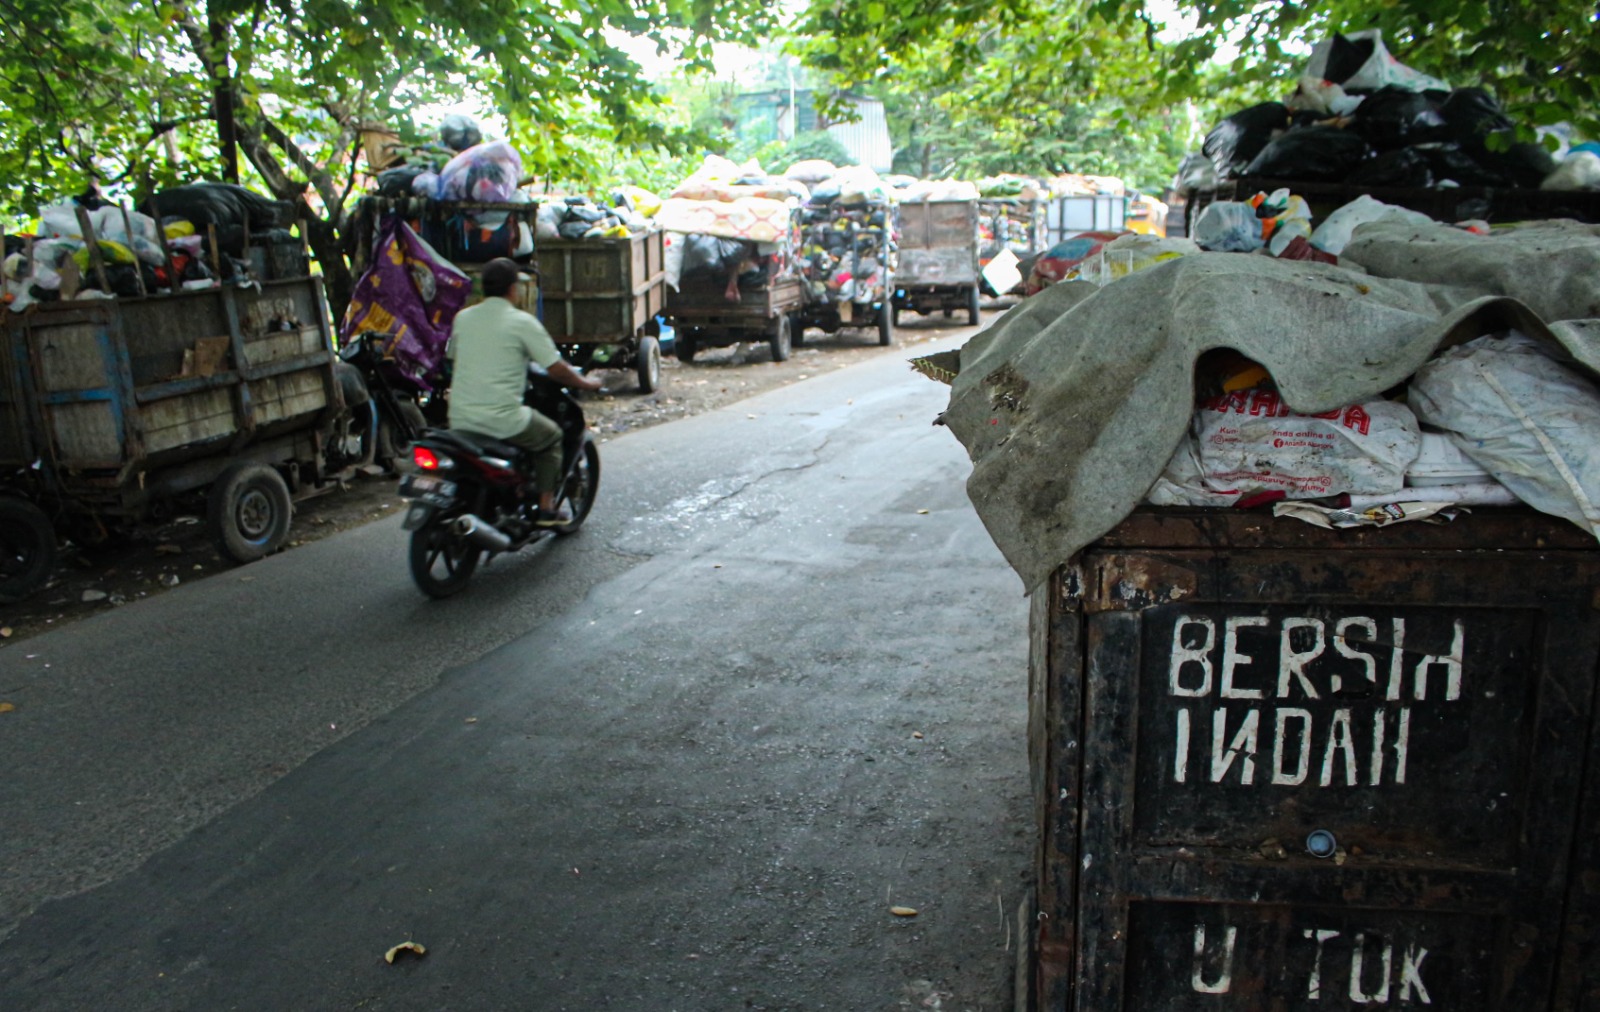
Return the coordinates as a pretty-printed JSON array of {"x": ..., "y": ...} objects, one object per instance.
[{"x": 427, "y": 460}]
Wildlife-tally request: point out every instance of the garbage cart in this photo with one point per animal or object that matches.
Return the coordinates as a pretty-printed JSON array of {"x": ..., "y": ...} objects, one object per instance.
[
  {"x": 600, "y": 299},
  {"x": 1282, "y": 767},
  {"x": 112, "y": 410},
  {"x": 864, "y": 257},
  {"x": 705, "y": 317},
  {"x": 938, "y": 265}
]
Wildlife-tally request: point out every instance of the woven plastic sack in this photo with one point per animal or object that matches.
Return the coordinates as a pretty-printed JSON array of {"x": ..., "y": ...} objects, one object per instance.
[{"x": 1530, "y": 421}]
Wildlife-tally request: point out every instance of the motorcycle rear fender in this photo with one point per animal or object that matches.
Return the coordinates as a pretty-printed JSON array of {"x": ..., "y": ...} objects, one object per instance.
[{"x": 418, "y": 516}]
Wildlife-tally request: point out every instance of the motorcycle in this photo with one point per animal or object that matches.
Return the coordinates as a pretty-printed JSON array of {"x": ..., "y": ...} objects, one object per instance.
[
  {"x": 470, "y": 498},
  {"x": 392, "y": 408}
]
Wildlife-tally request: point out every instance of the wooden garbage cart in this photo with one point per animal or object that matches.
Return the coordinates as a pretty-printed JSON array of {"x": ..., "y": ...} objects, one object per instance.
[
  {"x": 706, "y": 318},
  {"x": 115, "y": 410},
  {"x": 938, "y": 260},
  {"x": 600, "y": 299}
]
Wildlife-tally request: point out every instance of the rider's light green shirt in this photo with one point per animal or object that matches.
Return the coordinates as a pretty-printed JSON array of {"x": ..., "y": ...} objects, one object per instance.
[{"x": 491, "y": 345}]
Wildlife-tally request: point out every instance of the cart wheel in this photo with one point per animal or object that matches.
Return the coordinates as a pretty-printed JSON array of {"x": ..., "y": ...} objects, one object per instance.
[
  {"x": 780, "y": 340},
  {"x": 974, "y": 311},
  {"x": 684, "y": 347},
  {"x": 649, "y": 365},
  {"x": 248, "y": 510},
  {"x": 948, "y": 312},
  {"x": 27, "y": 549},
  {"x": 885, "y": 327}
]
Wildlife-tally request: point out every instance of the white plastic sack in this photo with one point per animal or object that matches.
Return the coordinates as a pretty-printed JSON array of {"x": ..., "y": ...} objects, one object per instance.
[
  {"x": 1247, "y": 443},
  {"x": 1579, "y": 171},
  {"x": 1229, "y": 226},
  {"x": 1336, "y": 230},
  {"x": 1381, "y": 69},
  {"x": 1527, "y": 419}
]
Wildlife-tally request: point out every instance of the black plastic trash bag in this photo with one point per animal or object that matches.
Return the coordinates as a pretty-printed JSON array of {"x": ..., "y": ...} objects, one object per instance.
[
  {"x": 1319, "y": 153},
  {"x": 711, "y": 255},
  {"x": 1449, "y": 162},
  {"x": 458, "y": 132},
  {"x": 231, "y": 208},
  {"x": 1408, "y": 168},
  {"x": 1392, "y": 117},
  {"x": 396, "y": 182},
  {"x": 1346, "y": 57},
  {"x": 1235, "y": 142}
]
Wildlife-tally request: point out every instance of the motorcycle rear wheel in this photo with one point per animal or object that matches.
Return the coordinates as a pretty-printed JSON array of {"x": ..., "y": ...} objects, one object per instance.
[
  {"x": 441, "y": 562},
  {"x": 582, "y": 487}
]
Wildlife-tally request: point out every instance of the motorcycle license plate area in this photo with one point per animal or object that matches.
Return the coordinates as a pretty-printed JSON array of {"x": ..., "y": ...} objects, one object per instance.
[{"x": 433, "y": 491}]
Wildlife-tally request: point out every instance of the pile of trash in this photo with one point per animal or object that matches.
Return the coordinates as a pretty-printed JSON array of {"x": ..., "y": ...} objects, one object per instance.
[
  {"x": 732, "y": 225},
  {"x": 1432, "y": 369},
  {"x": 206, "y": 233},
  {"x": 848, "y": 239},
  {"x": 1361, "y": 117}
]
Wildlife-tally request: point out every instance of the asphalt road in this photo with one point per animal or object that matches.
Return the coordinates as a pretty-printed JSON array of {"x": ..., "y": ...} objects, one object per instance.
[{"x": 685, "y": 760}]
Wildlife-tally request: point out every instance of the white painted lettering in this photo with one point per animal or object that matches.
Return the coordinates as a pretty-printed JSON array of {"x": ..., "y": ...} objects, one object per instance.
[
  {"x": 1233, "y": 659},
  {"x": 1411, "y": 974},
  {"x": 1397, "y": 657},
  {"x": 1244, "y": 743},
  {"x": 1200, "y": 654},
  {"x": 1379, "y": 725},
  {"x": 1292, "y": 662},
  {"x": 1401, "y": 743},
  {"x": 1180, "y": 764},
  {"x": 1224, "y": 980},
  {"x": 1451, "y": 663},
  {"x": 1314, "y": 986},
  {"x": 1341, "y": 643},
  {"x": 1280, "y": 738},
  {"x": 1358, "y": 992},
  {"x": 1340, "y": 740}
]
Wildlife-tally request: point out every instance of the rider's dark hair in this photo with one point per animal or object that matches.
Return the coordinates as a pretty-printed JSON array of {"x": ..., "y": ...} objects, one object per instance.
[{"x": 499, "y": 275}]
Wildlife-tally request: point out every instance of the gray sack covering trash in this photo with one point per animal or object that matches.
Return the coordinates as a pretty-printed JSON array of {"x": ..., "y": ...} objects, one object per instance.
[{"x": 1073, "y": 403}]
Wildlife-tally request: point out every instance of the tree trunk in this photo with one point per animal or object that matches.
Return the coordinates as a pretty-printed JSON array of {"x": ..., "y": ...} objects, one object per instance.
[{"x": 329, "y": 248}]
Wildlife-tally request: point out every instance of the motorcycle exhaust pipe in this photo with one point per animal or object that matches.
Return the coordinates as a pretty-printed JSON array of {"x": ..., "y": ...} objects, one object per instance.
[{"x": 481, "y": 534}]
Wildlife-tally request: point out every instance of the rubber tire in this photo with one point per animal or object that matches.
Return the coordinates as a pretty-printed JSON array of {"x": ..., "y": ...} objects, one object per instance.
[
  {"x": 974, "y": 310},
  {"x": 248, "y": 511},
  {"x": 684, "y": 347},
  {"x": 797, "y": 332},
  {"x": 649, "y": 365},
  {"x": 28, "y": 544},
  {"x": 392, "y": 444},
  {"x": 894, "y": 314},
  {"x": 885, "y": 327},
  {"x": 781, "y": 340},
  {"x": 423, "y": 540},
  {"x": 583, "y": 501}
]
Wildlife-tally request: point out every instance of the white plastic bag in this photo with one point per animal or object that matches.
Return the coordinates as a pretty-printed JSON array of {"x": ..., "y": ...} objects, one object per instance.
[
  {"x": 1229, "y": 226},
  {"x": 1381, "y": 70},
  {"x": 1579, "y": 171},
  {"x": 1334, "y": 234},
  {"x": 1248, "y": 443},
  {"x": 1527, "y": 419}
]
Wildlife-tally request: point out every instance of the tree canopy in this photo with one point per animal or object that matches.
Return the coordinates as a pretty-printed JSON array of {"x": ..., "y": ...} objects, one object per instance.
[{"x": 158, "y": 91}]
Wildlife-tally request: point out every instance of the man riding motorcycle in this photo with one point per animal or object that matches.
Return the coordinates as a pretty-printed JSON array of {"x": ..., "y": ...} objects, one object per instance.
[{"x": 491, "y": 345}]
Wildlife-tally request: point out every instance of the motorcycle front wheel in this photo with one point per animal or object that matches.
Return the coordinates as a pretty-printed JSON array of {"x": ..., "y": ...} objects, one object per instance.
[{"x": 441, "y": 562}]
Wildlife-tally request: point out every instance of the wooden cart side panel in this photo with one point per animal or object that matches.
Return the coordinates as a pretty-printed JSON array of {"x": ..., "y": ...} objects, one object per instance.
[
  {"x": 80, "y": 386},
  {"x": 160, "y": 331},
  {"x": 1451, "y": 772},
  {"x": 16, "y": 429},
  {"x": 939, "y": 224},
  {"x": 1055, "y": 726},
  {"x": 173, "y": 423}
]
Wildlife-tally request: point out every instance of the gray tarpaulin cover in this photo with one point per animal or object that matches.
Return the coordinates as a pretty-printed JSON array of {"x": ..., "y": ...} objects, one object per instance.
[{"x": 1072, "y": 403}]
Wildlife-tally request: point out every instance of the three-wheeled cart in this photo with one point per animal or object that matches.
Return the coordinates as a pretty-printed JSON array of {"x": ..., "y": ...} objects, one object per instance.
[
  {"x": 705, "y": 317},
  {"x": 938, "y": 258},
  {"x": 856, "y": 250},
  {"x": 1012, "y": 223},
  {"x": 112, "y": 411},
  {"x": 600, "y": 299}
]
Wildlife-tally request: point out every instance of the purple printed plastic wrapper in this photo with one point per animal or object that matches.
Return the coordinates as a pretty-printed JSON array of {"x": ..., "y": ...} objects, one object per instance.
[{"x": 412, "y": 293}]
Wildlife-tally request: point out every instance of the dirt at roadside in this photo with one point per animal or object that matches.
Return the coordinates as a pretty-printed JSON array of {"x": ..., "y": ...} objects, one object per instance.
[{"x": 179, "y": 552}]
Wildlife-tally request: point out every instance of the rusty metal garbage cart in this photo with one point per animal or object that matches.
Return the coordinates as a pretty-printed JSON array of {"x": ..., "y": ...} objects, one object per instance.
[
  {"x": 114, "y": 410},
  {"x": 1280, "y": 767},
  {"x": 600, "y": 301},
  {"x": 938, "y": 259}
]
